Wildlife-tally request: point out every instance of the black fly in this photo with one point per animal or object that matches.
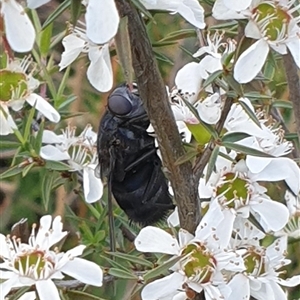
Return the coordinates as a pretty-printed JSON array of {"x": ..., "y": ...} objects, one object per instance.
[{"x": 128, "y": 158}]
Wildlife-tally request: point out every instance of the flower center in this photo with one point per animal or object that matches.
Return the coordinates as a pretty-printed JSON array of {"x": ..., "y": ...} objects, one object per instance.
[
  {"x": 272, "y": 19},
  {"x": 198, "y": 263},
  {"x": 12, "y": 85},
  {"x": 254, "y": 262},
  {"x": 34, "y": 264},
  {"x": 233, "y": 188}
]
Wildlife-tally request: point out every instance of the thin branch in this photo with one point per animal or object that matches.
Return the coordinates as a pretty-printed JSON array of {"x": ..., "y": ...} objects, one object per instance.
[
  {"x": 293, "y": 80},
  {"x": 153, "y": 93}
]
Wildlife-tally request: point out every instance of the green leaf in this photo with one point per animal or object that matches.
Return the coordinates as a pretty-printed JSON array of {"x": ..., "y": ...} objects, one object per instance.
[
  {"x": 132, "y": 258},
  {"x": 56, "y": 165},
  {"x": 57, "y": 12},
  {"x": 162, "y": 269},
  {"x": 11, "y": 172},
  {"x": 122, "y": 274},
  {"x": 208, "y": 127},
  {"x": 79, "y": 295},
  {"x": 250, "y": 113},
  {"x": 179, "y": 35},
  {"x": 234, "y": 136},
  {"x": 38, "y": 138},
  {"x": 245, "y": 149},
  {"x": 47, "y": 184},
  {"x": 234, "y": 84},
  {"x": 75, "y": 10},
  {"x": 27, "y": 168},
  {"x": 143, "y": 9},
  {"x": 212, "y": 162},
  {"x": 123, "y": 47},
  {"x": 28, "y": 125},
  {"x": 9, "y": 145},
  {"x": 200, "y": 133},
  {"x": 162, "y": 57},
  {"x": 211, "y": 78},
  {"x": 256, "y": 95},
  {"x": 45, "y": 40},
  {"x": 115, "y": 264},
  {"x": 94, "y": 211},
  {"x": 189, "y": 155},
  {"x": 282, "y": 104}
]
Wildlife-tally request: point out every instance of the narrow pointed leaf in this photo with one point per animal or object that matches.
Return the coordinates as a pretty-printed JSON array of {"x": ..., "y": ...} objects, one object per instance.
[
  {"x": 132, "y": 258},
  {"x": 123, "y": 47},
  {"x": 245, "y": 149},
  {"x": 122, "y": 274},
  {"x": 186, "y": 157},
  {"x": 162, "y": 269},
  {"x": 250, "y": 113},
  {"x": 212, "y": 162},
  {"x": 211, "y": 78},
  {"x": 234, "y": 137},
  {"x": 56, "y": 13}
]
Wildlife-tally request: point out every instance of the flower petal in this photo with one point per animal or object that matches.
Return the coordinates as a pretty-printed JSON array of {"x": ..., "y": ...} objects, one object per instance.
[
  {"x": 153, "y": 239},
  {"x": 33, "y": 4},
  {"x": 102, "y": 20},
  {"x": 73, "y": 45},
  {"x": 293, "y": 281},
  {"x": 28, "y": 296},
  {"x": 240, "y": 288},
  {"x": 84, "y": 271},
  {"x": 189, "y": 81},
  {"x": 281, "y": 168},
  {"x": 265, "y": 210},
  {"x": 19, "y": 30},
  {"x": 47, "y": 290},
  {"x": 92, "y": 186},
  {"x": 7, "y": 123},
  {"x": 173, "y": 219},
  {"x": 44, "y": 107},
  {"x": 193, "y": 12},
  {"x": 294, "y": 45},
  {"x": 237, "y": 5},
  {"x": 251, "y": 61},
  {"x": 49, "y": 137},
  {"x": 164, "y": 287},
  {"x": 99, "y": 72},
  {"x": 50, "y": 152},
  {"x": 7, "y": 285},
  {"x": 222, "y": 12}
]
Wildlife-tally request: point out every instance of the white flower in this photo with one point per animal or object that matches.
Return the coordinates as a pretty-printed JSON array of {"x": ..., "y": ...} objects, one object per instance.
[
  {"x": 102, "y": 20},
  {"x": 215, "y": 50},
  {"x": 271, "y": 23},
  {"x": 81, "y": 154},
  {"x": 201, "y": 259},
  {"x": 99, "y": 72},
  {"x": 292, "y": 228},
  {"x": 265, "y": 138},
  {"x": 261, "y": 277},
  {"x": 235, "y": 188},
  {"x": 191, "y": 10},
  {"x": 16, "y": 88},
  {"x": 36, "y": 264},
  {"x": 19, "y": 30}
]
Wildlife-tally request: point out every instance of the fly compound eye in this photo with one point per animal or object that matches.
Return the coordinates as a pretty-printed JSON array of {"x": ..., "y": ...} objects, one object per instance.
[{"x": 119, "y": 105}]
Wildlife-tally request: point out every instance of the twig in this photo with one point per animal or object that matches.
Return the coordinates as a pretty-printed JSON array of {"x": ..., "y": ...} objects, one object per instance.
[
  {"x": 291, "y": 71},
  {"x": 154, "y": 96}
]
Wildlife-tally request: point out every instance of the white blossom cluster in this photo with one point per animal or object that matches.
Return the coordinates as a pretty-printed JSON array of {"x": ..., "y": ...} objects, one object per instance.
[{"x": 39, "y": 261}]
